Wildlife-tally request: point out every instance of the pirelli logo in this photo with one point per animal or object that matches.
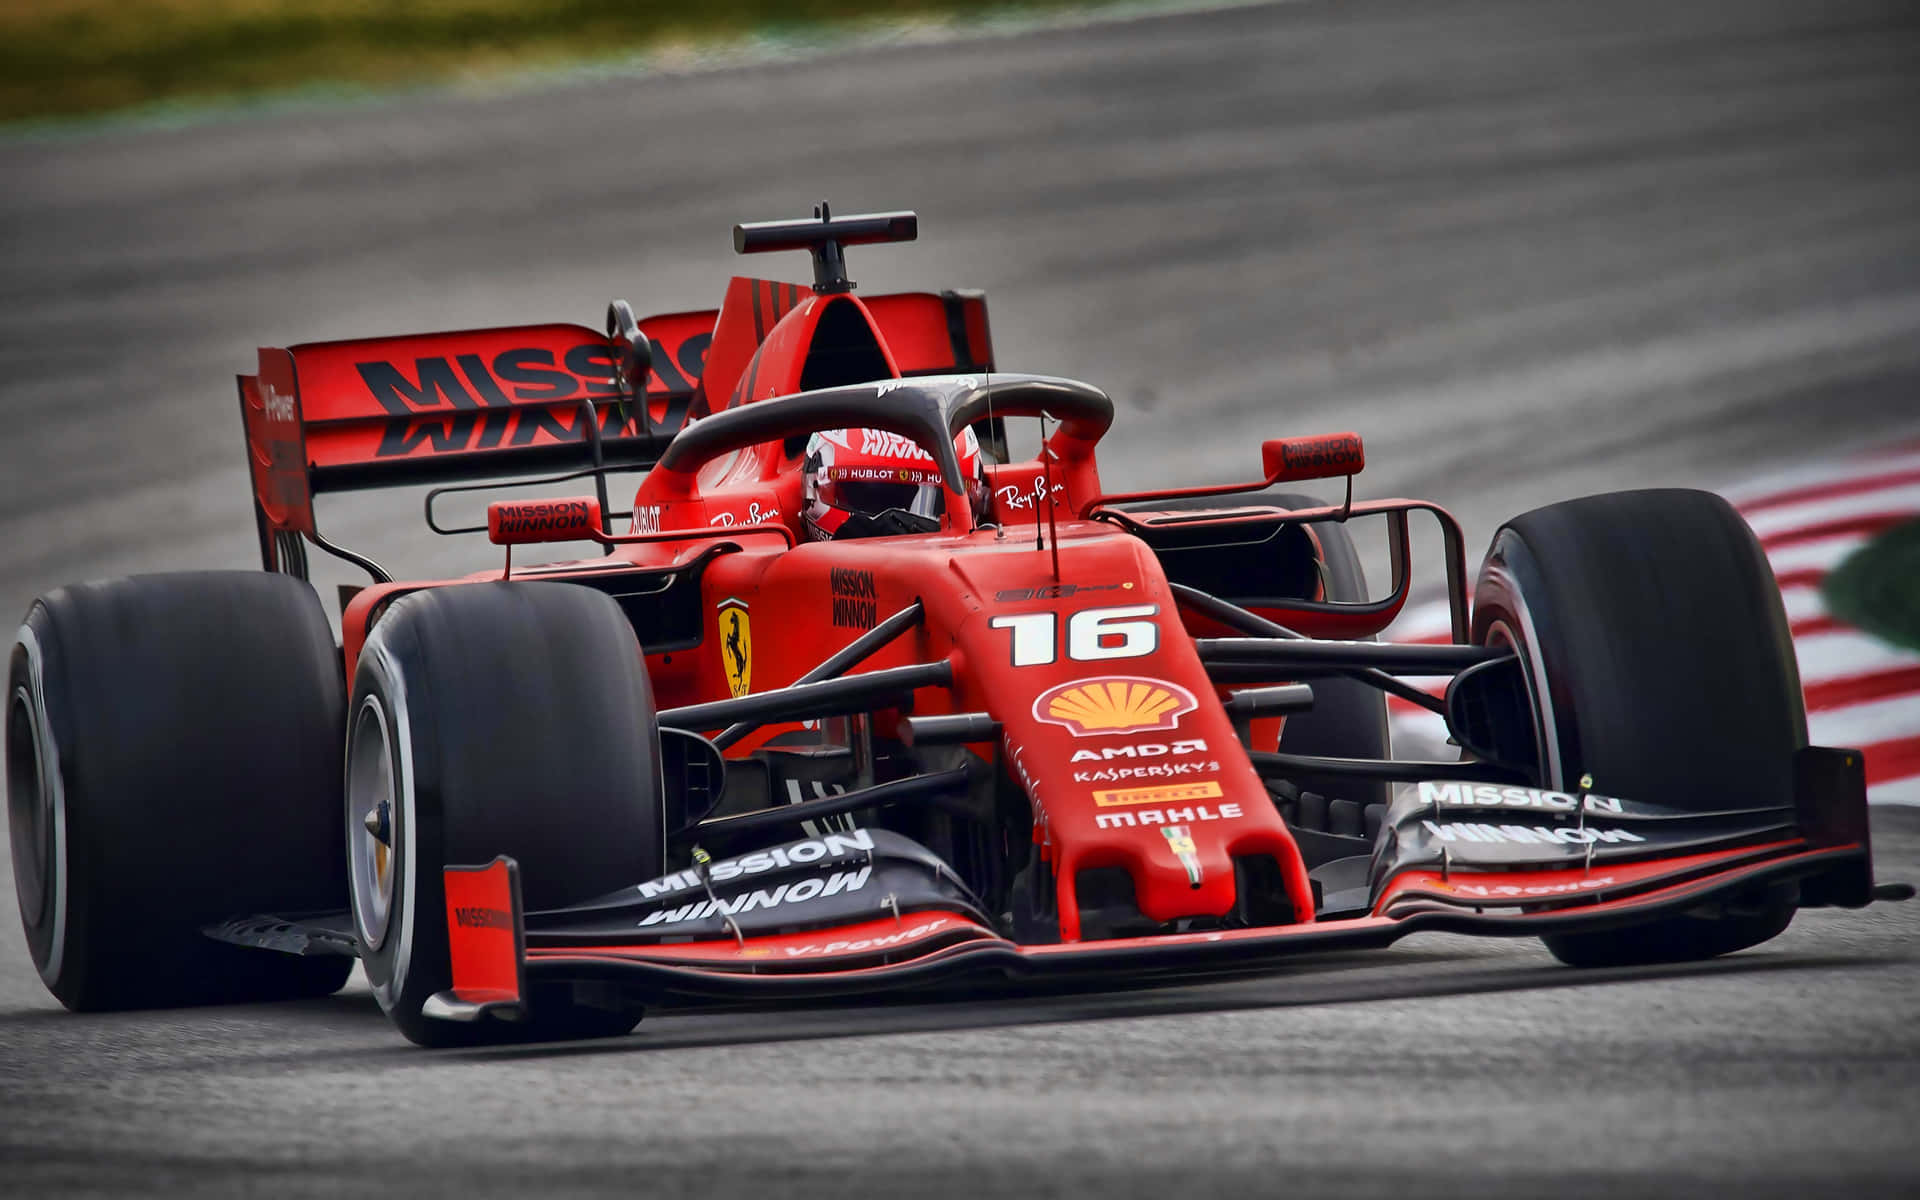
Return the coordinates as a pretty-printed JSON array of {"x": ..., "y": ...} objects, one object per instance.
[{"x": 1171, "y": 793}]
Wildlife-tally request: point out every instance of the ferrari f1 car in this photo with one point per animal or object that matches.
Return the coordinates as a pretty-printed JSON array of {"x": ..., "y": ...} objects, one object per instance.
[{"x": 1060, "y": 731}]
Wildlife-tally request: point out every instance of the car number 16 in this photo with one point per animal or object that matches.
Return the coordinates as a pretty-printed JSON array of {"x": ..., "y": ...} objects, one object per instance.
[{"x": 1093, "y": 634}]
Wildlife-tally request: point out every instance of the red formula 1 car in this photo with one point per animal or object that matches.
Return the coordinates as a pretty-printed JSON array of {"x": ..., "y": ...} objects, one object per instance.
[{"x": 1042, "y": 728}]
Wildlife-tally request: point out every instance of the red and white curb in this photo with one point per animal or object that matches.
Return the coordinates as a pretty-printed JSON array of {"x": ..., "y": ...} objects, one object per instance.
[{"x": 1861, "y": 692}]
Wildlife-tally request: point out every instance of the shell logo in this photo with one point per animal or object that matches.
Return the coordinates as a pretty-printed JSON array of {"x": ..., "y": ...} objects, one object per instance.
[{"x": 1114, "y": 704}]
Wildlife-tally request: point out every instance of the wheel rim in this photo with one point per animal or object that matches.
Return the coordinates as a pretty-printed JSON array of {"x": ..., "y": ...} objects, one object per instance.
[
  {"x": 373, "y": 821},
  {"x": 29, "y": 811}
]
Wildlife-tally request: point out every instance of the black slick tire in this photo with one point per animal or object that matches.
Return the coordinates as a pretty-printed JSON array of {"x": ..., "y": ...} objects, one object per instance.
[
  {"x": 496, "y": 719},
  {"x": 1660, "y": 663},
  {"x": 173, "y": 761}
]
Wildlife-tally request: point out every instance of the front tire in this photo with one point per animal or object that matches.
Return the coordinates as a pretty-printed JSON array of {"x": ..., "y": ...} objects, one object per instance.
[
  {"x": 172, "y": 746},
  {"x": 1659, "y": 662},
  {"x": 495, "y": 719}
]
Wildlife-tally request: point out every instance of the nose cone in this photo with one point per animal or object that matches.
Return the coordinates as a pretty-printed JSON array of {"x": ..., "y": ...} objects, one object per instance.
[
  {"x": 1147, "y": 775},
  {"x": 1178, "y": 845},
  {"x": 1118, "y": 737}
]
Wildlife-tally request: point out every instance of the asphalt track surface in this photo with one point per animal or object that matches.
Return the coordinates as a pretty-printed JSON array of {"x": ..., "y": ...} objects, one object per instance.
[{"x": 1529, "y": 250}]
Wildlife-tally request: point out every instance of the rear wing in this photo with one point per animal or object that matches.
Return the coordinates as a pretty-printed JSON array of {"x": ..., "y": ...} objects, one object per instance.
[
  {"x": 524, "y": 400},
  {"x": 473, "y": 404}
]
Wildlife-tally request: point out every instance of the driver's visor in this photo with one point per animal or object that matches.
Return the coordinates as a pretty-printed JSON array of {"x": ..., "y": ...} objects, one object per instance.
[{"x": 873, "y": 497}]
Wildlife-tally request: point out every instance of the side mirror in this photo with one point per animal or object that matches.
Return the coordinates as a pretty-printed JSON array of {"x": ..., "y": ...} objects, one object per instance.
[
  {"x": 634, "y": 350},
  {"x": 524, "y": 522},
  {"x": 1323, "y": 457}
]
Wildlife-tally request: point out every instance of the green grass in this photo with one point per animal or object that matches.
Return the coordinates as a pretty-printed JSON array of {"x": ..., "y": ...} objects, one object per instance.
[
  {"x": 62, "y": 58},
  {"x": 1877, "y": 588}
]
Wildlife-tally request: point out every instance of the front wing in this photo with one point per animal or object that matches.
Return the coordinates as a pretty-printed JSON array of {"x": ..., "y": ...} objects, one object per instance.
[{"x": 1822, "y": 843}]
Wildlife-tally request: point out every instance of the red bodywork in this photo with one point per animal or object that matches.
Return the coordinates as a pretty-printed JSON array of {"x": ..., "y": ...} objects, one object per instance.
[
  {"x": 523, "y": 387},
  {"x": 1109, "y": 722}
]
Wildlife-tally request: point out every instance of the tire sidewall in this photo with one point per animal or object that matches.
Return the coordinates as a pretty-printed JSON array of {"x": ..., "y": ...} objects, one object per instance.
[
  {"x": 1503, "y": 616},
  {"x": 47, "y": 921},
  {"x": 410, "y": 962}
]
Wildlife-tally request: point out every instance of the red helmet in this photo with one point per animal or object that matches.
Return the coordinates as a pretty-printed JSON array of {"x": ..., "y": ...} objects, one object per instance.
[{"x": 870, "y": 483}]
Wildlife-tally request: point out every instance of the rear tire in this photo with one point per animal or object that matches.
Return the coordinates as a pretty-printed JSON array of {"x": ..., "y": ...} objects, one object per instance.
[
  {"x": 172, "y": 746},
  {"x": 1660, "y": 662},
  {"x": 496, "y": 719}
]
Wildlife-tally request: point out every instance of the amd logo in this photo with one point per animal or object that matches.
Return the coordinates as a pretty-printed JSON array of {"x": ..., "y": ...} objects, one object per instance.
[{"x": 1142, "y": 750}]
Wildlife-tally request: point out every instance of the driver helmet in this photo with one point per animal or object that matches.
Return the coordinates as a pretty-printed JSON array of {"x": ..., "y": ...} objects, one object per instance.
[{"x": 871, "y": 483}]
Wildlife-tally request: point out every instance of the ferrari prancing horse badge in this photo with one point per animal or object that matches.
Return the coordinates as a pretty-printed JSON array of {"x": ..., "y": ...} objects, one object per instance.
[{"x": 736, "y": 646}]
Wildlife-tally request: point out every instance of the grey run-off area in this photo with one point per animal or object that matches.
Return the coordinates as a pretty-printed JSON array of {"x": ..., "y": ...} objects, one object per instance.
[{"x": 1528, "y": 250}]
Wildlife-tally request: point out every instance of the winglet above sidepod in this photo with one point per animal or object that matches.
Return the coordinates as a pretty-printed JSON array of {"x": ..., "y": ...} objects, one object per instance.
[{"x": 1287, "y": 460}]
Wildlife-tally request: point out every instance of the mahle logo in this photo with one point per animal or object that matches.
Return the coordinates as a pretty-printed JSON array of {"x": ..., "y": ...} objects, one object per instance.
[{"x": 1114, "y": 704}]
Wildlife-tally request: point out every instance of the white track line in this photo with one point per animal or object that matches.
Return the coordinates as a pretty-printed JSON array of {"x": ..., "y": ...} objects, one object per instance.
[
  {"x": 1803, "y": 603},
  {"x": 1758, "y": 491},
  {"x": 1823, "y": 555},
  {"x": 1904, "y": 498},
  {"x": 1896, "y": 791},
  {"x": 1893, "y": 719},
  {"x": 1844, "y": 653}
]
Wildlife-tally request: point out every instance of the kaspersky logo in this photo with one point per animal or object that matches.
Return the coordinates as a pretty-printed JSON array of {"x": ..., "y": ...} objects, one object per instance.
[{"x": 1111, "y": 704}]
